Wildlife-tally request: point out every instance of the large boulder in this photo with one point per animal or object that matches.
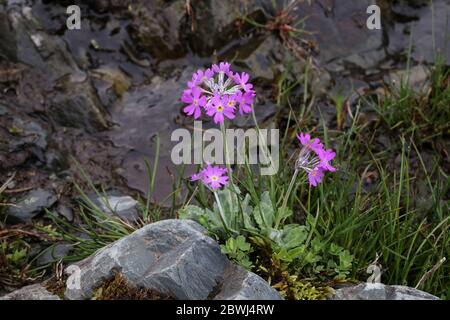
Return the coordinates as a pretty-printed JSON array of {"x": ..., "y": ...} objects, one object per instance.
[
  {"x": 172, "y": 257},
  {"x": 379, "y": 291}
]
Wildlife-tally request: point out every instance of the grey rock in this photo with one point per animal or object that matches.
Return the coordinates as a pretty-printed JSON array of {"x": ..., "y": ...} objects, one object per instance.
[
  {"x": 218, "y": 23},
  {"x": 142, "y": 113},
  {"x": 65, "y": 212},
  {"x": 33, "y": 47},
  {"x": 416, "y": 77},
  {"x": 156, "y": 28},
  {"x": 54, "y": 253},
  {"x": 7, "y": 38},
  {"x": 115, "y": 204},
  {"x": 268, "y": 58},
  {"x": 341, "y": 33},
  {"x": 427, "y": 27},
  {"x": 33, "y": 203},
  {"x": 32, "y": 292},
  {"x": 173, "y": 257},
  {"x": 77, "y": 105},
  {"x": 379, "y": 291},
  {"x": 239, "y": 284},
  {"x": 32, "y": 133}
]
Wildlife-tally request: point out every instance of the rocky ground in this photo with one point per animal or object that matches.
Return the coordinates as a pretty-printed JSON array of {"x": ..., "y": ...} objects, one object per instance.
[{"x": 97, "y": 99}]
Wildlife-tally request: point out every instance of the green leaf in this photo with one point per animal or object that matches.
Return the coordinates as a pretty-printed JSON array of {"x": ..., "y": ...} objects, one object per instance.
[
  {"x": 292, "y": 236},
  {"x": 191, "y": 212},
  {"x": 345, "y": 260},
  {"x": 264, "y": 213},
  {"x": 242, "y": 244}
]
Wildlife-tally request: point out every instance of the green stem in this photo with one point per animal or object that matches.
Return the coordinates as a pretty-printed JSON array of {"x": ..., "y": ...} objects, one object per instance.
[
  {"x": 225, "y": 144},
  {"x": 221, "y": 214},
  {"x": 230, "y": 174},
  {"x": 287, "y": 194}
]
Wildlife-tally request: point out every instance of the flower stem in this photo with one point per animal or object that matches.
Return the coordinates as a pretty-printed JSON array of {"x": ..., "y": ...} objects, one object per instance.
[
  {"x": 230, "y": 173},
  {"x": 221, "y": 213},
  {"x": 287, "y": 194},
  {"x": 225, "y": 144}
]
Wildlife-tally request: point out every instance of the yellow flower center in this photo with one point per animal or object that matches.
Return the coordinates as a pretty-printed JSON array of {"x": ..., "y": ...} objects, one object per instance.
[
  {"x": 214, "y": 178},
  {"x": 195, "y": 101},
  {"x": 219, "y": 108},
  {"x": 230, "y": 103}
]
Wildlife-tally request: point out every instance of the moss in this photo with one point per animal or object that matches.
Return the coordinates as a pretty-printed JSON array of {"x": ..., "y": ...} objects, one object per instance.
[
  {"x": 290, "y": 287},
  {"x": 56, "y": 286},
  {"x": 118, "y": 288}
]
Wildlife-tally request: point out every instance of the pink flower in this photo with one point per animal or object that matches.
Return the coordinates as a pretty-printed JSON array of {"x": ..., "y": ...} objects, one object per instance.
[
  {"x": 222, "y": 67},
  {"x": 245, "y": 101},
  {"x": 212, "y": 176},
  {"x": 314, "y": 159},
  {"x": 242, "y": 80},
  {"x": 219, "y": 108},
  {"x": 209, "y": 74},
  {"x": 195, "y": 101},
  {"x": 197, "y": 77},
  {"x": 325, "y": 157},
  {"x": 313, "y": 144},
  {"x": 216, "y": 84},
  {"x": 315, "y": 176}
]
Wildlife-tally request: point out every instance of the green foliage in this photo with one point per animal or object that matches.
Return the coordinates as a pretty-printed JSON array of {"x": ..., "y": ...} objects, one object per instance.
[
  {"x": 238, "y": 249},
  {"x": 14, "y": 262},
  {"x": 298, "y": 247},
  {"x": 422, "y": 112},
  {"x": 15, "y": 253}
]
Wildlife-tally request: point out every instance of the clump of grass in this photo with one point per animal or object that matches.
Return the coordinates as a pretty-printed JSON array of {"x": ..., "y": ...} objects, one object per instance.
[{"x": 423, "y": 113}]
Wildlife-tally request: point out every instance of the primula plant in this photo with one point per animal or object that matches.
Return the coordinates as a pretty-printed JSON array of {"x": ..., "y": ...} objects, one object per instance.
[{"x": 259, "y": 234}]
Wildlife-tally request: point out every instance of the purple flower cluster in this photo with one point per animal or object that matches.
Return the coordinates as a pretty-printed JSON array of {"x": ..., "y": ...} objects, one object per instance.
[
  {"x": 314, "y": 158},
  {"x": 212, "y": 176},
  {"x": 218, "y": 91}
]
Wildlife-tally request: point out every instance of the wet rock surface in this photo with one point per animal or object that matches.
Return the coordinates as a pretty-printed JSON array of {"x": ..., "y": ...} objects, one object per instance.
[
  {"x": 31, "y": 205},
  {"x": 95, "y": 93},
  {"x": 173, "y": 257},
  {"x": 116, "y": 204},
  {"x": 379, "y": 291}
]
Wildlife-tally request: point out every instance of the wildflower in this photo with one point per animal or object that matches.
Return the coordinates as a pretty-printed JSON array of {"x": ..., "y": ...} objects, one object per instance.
[
  {"x": 242, "y": 79},
  {"x": 212, "y": 176},
  {"x": 315, "y": 176},
  {"x": 218, "y": 85},
  {"x": 326, "y": 156},
  {"x": 222, "y": 67},
  {"x": 245, "y": 102},
  {"x": 313, "y": 144},
  {"x": 195, "y": 100},
  {"x": 219, "y": 108},
  {"x": 314, "y": 159}
]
